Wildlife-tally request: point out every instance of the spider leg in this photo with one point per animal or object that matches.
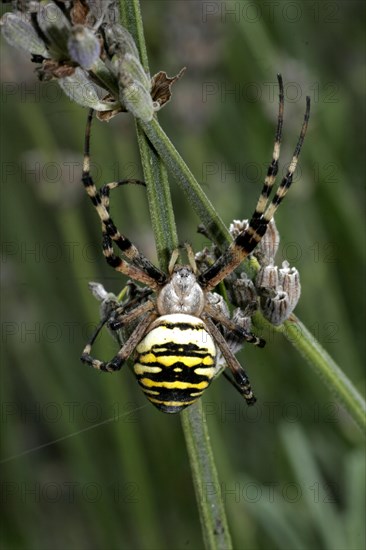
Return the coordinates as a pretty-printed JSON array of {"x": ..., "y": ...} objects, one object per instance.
[
  {"x": 108, "y": 187},
  {"x": 124, "y": 267},
  {"x": 236, "y": 385},
  {"x": 233, "y": 327},
  {"x": 191, "y": 258},
  {"x": 120, "y": 318},
  {"x": 273, "y": 167},
  {"x": 239, "y": 374},
  {"x": 128, "y": 347},
  {"x": 109, "y": 229},
  {"x": 248, "y": 239}
]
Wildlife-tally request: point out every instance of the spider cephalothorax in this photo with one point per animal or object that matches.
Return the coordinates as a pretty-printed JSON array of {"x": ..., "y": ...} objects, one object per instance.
[
  {"x": 182, "y": 294},
  {"x": 178, "y": 334}
]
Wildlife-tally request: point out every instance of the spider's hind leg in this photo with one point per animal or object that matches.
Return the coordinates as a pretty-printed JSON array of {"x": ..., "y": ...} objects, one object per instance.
[
  {"x": 234, "y": 328},
  {"x": 242, "y": 383},
  {"x": 239, "y": 388}
]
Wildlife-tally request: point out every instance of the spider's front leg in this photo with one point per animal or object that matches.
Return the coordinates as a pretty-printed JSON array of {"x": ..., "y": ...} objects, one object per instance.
[
  {"x": 147, "y": 310},
  {"x": 140, "y": 269},
  {"x": 250, "y": 237}
]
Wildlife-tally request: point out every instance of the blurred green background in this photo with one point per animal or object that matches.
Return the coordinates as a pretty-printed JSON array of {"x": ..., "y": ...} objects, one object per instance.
[{"x": 88, "y": 463}]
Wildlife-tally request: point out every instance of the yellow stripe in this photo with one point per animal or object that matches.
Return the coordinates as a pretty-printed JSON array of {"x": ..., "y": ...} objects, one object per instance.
[
  {"x": 143, "y": 369},
  {"x": 150, "y": 392},
  {"x": 196, "y": 394},
  {"x": 173, "y": 385},
  {"x": 210, "y": 373},
  {"x": 104, "y": 216}
]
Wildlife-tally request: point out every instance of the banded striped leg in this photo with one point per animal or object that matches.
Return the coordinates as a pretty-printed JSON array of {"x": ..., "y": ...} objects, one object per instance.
[
  {"x": 242, "y": 383},
  {"x": 248, "y": 239},
  {"x": 108, "y": 187},
  {"x": 110, "y": 231},
  {"x": 148, "y": 310},
  {"x": 124, "y": 267},
  {"x": 233, "y": 327},
  {"x": 273, "y": 167}
]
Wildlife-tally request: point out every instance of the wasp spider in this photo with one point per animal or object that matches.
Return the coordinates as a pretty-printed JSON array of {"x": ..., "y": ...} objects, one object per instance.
[{"x": 178, "y": 334}]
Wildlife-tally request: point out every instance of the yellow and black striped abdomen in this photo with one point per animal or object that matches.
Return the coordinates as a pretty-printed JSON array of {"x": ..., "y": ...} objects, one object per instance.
[{"x": 175, "y": 361}]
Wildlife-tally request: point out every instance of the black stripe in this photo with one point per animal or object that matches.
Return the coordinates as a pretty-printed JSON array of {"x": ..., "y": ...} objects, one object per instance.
[
  {"x": 113, "y": 261},
  {"x": 273, "y": 169},
  {"x": 154, "y": 272},
  {"x": 198, "y": 354},
  {"x": 107, "y": 243},
  {"x": 211, "y": 272},
  {"x": 172, "y": 395},
  {"x": 174, "y": 346},
  {"x": 284, "y": 186},
  {"x": 167, "y": 375},
  {"x": 87, "y": 180},
  {"x": 181, "y": 326},
  {"x": 95, "y": 199},
  {"x": 246, "y": 242}
]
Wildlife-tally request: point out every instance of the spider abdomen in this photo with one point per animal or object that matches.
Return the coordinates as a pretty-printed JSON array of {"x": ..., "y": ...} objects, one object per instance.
[{"x": 175, "y": 361}]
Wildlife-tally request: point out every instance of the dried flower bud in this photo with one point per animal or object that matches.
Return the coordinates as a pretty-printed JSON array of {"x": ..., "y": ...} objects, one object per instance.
[
  {"x": 100, "y": 293},
  {"x": 119, "y": 40},
  {"x": 56, "y": 28},
  {"x": 137, "y": 101},
  {"x": 234, "y": 341},
  {"x": 279, "y": 290},
  {"x": 267, "y": 277},
  {"x": 204, "y": 258},
  {"x": 290, "y": 282},
  {"x": 61, "y": 37},
  {"x": 81, "y": 90},
  {"x": 240, "y": 318},
  {"x": 276, "y": 308},
  {"x": 135, "y": 88},
  {"x": 219, "y": 303},
  {"x": 266, "y": 250},
  {"x": 245, "y": 294},
  {"x": 131, "y": 70},
  {"x": 20, "y": 33},
  {"x": 109, "y": 304},
  {"x": 237, "y": 226},
  {"x": 83, "y": 46}
]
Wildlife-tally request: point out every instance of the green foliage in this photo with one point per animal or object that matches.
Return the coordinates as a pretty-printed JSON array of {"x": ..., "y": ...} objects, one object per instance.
[{"x": 291, "y": 469}]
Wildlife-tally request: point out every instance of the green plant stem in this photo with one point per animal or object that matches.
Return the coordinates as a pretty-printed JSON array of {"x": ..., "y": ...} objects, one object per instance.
[
  {"x": 212, "y": 514},
  {"x": 207, "y": 488},
  {"x": 155, "y": 173},
  {"x": 214, "y": 225},
  {"x": 160, "y": 204},
  {"x": 300, "y": 337}
]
